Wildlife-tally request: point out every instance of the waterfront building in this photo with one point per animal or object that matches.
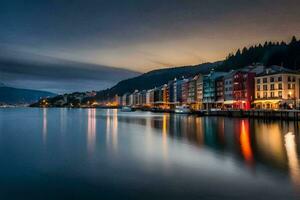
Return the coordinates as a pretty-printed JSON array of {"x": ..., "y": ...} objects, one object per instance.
[
  {"x": 243, "y": 89},
  {"x": 125, "y": 99},
  {"x": 135, "y": 98},
  {"x": 209, "y": 89},
  {"x": 150, "y": 97},
  {"x": 192, "y": 92},
  {"x": 277, "y": 87},
  {"x": 228, "y": 89},
  {"x": 171, "y": 93},
  {"x": 219, "y": 92},
  {"x": 177, "y": 87},
  {"x": 130, "y": 102},
  {"x": 199, "y": 90},
  {"x": 161, "y": 96},
  {"x": 119, "y": 100},
  {"x": 184, "y": 91},
  {"x": 142, "y": 98}
]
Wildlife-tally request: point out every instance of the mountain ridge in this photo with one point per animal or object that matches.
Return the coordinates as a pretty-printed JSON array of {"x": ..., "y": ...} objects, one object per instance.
[{"x": 11, "y": 95}]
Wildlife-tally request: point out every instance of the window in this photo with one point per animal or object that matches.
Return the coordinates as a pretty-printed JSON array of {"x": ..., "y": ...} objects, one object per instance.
[
  {"x": 272, "y": 87},
  {"x": 258, "y": 87},
  {"x": 291, "y": 78},
  {"x": 289, "y": 86},
  {"x": 280, "y": 94},
  {"x": 279, "y": 78},
  {"x": 279, "y": 86},
  {"x": 265, "y": 94},
  {"x": 265, "y": 87},
  {"x": 265, "y": 80},
  {"x": 272, "y": 79},
  {"x": 272, "y": 94},
  {"x": 258, "y": 95},
  {"x": 258, "y": 81}
]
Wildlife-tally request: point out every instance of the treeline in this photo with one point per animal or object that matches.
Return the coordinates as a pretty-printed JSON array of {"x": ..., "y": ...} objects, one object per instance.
[{"x": 270, "y": 53}]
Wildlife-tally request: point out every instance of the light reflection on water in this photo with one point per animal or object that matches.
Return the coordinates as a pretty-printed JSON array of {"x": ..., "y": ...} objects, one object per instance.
[
  {"x": 91, "y": 131},
  {"x": 293, "y": 160},
  {"x": 155, "y": 155},
  {"x": 44, "y": 125}
]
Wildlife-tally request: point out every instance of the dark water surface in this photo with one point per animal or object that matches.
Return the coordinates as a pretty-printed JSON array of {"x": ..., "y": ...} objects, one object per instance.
[{"x": 107, "y": 154}]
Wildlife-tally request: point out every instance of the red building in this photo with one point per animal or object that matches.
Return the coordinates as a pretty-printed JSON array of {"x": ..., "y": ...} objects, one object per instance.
[{"x": 243, "y": 89}]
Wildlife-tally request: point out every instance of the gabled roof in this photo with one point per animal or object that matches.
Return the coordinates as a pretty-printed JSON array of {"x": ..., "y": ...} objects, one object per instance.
[{"x": 277, "y": 70}]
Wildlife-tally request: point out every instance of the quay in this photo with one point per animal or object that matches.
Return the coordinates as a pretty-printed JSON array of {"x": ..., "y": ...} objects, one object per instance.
[{"x": 262, "y": 114}]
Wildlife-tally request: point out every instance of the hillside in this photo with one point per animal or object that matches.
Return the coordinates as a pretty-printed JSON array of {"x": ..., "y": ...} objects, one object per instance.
[
  {"x": 155, "y": 78},
  {"x": 9, "y": 95},
  {"x": 270, "y": 53}
]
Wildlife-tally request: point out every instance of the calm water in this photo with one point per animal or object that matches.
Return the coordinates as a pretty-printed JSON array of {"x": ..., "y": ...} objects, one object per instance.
[{"x": 107, "y": 154}]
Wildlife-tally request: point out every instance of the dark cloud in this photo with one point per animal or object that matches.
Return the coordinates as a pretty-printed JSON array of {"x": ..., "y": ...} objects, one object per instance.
[
  {"x": 58, "y": 75},
  {"x": 136, "y": 34}
]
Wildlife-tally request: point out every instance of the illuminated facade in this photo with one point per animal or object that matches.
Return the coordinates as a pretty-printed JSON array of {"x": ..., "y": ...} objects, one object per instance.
[
  {"x": 209, "y": 89},
  {"x": 199, "y": 90},
  {"x": 277, "y": 88},
  {"x": 228, "y": 89},
  {"x": 243, "y": 89},
  {"x": 219, "y": 92}
]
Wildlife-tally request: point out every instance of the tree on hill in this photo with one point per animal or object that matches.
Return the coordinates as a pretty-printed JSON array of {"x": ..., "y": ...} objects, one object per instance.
[{"x": 270, "y": 53}]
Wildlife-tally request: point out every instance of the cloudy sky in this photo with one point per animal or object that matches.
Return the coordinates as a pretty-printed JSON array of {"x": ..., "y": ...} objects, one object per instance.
[{"x": 140, "y": 35}]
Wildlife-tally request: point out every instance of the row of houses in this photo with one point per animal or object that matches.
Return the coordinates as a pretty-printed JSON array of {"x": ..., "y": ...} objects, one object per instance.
[{"x": 250, "y": 87}]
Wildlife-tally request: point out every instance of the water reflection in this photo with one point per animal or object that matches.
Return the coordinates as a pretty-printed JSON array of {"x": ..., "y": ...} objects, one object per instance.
[
  {"x": 91, "y": 130},
  {"x": 44, "y": 132},
  {"x": 106, "y": 152},
  {"x": 293, "y": 160},
  {"x": 164, "y": 136},
  {"x": 255, "y": 142},
  {"x": 112, "y": 129},
  {"x": 269, "y": 143},
  {"x": 63, "y": 120},
  {"x": 245, "y": 142}
]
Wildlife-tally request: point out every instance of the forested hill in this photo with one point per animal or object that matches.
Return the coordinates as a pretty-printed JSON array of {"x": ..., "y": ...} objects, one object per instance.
[
  {"x": 269, "y": 53},
  {"x": 155, "y": 78}
]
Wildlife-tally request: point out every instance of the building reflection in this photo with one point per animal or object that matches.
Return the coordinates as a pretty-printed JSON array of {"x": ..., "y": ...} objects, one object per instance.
[
  {"x": 45, "y": 124},
  {"x": 91, "y": 130},
  {"x": 165, "y": 136},
  {"x": 63, "y": 120},
  {"x": 255, "y": 142},
  {"x": 293, "y": 160},
  {"x": 269, "y": 144},
  {"x": 245, "y": 142},
  {"x": 112, "y": 129}
]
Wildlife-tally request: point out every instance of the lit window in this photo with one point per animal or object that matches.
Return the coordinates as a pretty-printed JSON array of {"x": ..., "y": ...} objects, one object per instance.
[{"x": 265, "y": 80}]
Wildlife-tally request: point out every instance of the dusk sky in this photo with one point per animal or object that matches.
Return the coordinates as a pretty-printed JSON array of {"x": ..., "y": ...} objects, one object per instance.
[{"x": 140, "y": 35}]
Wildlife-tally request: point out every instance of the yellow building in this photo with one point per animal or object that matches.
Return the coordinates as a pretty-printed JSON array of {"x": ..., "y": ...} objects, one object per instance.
[{"x": 277, "y": 88}]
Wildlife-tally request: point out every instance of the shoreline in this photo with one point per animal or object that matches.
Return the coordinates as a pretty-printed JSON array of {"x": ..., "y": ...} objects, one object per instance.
[{"x": 284, "y": 114}]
